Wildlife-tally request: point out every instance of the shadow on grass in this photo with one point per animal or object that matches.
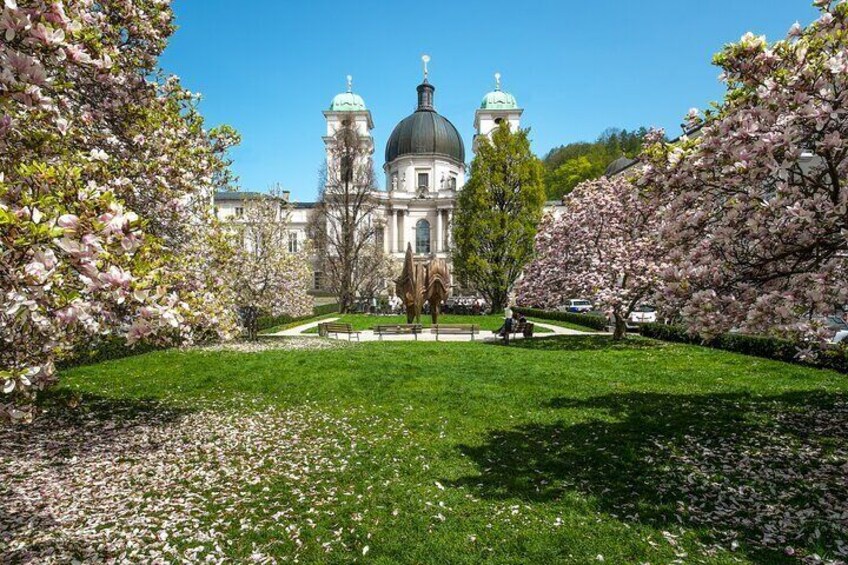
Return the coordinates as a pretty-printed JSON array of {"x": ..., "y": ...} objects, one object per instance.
[
  {"x": 62, "y": 432},
  {"x": 769, "y": 471},
  {"x": 581, "y": 343}
]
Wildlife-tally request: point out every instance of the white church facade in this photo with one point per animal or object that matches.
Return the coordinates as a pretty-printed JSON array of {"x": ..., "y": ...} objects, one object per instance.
[{"x": 424, "y": 166}]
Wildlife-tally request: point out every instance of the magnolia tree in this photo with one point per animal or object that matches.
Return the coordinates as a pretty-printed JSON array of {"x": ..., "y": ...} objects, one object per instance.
[
  {"x": 603, "y": 246},
  {"x": 265, "y": 276},
  {"x": 758, "y": 225},
  {"x": 105, "y": 169}
]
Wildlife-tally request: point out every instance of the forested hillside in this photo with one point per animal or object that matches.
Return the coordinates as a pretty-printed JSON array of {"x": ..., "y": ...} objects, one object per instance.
[{"x": 568, "y": 165}]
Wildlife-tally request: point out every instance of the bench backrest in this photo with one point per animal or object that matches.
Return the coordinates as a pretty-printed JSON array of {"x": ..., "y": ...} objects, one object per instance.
[
  {"x": 333, "y": 328},
  {"x": 398, "y": 328},
  {"x": 456, "y": 328}
]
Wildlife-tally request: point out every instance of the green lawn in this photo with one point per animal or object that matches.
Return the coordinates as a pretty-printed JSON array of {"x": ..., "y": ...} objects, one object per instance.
[{"x": 556, "y": 450}]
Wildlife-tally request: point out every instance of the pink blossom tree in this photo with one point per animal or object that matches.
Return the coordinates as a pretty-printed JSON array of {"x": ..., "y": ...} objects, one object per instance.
[
  {"x": 267, "y": 277},
  {"x": 106, "y": 177},
  {"x": 603, "y": 246},
  {"x": 758, "y": 225}
]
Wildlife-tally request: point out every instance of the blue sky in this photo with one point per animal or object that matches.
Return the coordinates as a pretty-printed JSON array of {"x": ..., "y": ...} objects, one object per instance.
[{"x": 270, "y": 67}]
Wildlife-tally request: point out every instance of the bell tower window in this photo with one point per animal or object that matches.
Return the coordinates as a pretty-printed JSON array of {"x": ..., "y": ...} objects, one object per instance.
[{"x": 424, "y": 181}]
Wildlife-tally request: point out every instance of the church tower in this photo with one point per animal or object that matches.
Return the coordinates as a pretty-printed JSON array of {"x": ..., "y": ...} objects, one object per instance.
[
  {"x": 496, "y": 107},
  {"x": 349, "y": 106}
]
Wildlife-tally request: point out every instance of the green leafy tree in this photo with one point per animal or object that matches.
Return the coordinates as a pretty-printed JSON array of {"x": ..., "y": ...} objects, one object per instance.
[
  {"x": 569, "y": 165},
  {"x": 562, "y": 180},
  {"x": 497, "y": 213}
]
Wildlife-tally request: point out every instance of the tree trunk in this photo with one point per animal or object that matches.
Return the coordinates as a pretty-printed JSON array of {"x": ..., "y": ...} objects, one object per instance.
[
  {"x": 497, "y": 301},
  {"x": 620, "y": 331}
]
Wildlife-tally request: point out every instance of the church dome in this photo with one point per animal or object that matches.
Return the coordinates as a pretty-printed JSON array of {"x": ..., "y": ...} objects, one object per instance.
[
  {"x": 498, "y": 99},
  {"x": 425, "y": 132},
  {"x": 348, "y": 101}
]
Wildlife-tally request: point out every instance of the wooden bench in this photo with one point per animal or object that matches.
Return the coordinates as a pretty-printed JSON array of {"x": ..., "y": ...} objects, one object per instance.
[
  {"x": 455, "y": 329},
  {"x": 331, "y": 328},
  {"x": 398, "y": 329}
]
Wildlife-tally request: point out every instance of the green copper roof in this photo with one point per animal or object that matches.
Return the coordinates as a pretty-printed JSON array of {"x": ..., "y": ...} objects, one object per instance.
[
  {"x": 348, "y": 102},
  {"x": 499, "y": 100}
]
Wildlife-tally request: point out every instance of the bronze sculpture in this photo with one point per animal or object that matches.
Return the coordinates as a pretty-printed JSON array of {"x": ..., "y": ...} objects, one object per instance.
[
  {"x": 438, "y": 286},
  {"x": 418, "y": 282},
  {"x": 408, "y": 288}
]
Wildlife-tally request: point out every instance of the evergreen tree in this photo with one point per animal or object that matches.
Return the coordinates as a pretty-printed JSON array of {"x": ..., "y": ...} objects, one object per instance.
[{"x": 497, "y": 213}]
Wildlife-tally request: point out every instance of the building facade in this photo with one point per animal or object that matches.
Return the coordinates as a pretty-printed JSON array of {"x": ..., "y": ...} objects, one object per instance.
[{"x": 424, "y": 167}]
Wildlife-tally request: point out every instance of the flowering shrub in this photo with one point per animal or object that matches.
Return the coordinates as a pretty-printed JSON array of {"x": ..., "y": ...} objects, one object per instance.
[{"x": 106, "y": 175}]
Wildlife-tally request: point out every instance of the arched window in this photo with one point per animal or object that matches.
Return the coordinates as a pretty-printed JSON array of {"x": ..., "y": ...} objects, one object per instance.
[{"x": 422, "y": 237}]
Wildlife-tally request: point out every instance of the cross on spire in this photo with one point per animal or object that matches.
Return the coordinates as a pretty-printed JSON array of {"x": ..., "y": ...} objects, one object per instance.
[
  {"x": 497, "y": 81},
  {"x": 426, "y": 59},
  {"x": 349, "y": 83}
]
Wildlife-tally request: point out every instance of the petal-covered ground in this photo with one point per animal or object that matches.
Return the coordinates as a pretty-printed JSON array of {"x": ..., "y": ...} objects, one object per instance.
[
  {"x": 142, "y": 482},
  {"x": 557, "y": 450}
]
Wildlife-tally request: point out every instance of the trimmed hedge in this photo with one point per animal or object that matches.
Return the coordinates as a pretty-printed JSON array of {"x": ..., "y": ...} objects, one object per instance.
[
  {"x": 267, "y": 322},
  {"x": 593, "y": 321},
  {"x": 758, "y": 346}
]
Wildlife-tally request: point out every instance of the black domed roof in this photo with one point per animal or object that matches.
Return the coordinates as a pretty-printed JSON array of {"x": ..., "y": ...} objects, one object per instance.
[{"x": 425, "y": 132}]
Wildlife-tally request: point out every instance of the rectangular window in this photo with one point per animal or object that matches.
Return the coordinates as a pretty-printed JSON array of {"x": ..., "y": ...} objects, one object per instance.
[
  {"x": 379, "y": 236},
  {"x": 239, "y": 212},
  {"x": 424, "y": 180},
  {"x": 293, "y": 243},
  {"x": 317, "y": 281}
]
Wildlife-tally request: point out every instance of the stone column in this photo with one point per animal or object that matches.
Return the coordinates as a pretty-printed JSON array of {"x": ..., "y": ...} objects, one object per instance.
[
  {"x": 449, "y": 216},
  {"x": 395, "y": 230},
  {"x": 405, "y": 239},
  {"x": 438, "y": 245},
  {"x": 386, "y": 234}
]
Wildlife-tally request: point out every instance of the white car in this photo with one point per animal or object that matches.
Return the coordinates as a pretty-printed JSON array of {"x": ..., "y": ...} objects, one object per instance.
[
  {"x": 579, "y": 306},
  {"x": 643, "y": 314}
]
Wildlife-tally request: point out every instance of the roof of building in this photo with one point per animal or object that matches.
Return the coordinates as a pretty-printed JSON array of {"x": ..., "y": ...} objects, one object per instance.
[
  {"x": 619, "y": 165},
  {"x": 238, "y": 196},
  {"x": 224, "y": 196},
  {"x": 425, "y": 132},
  {"x": 623, "y": 163}
]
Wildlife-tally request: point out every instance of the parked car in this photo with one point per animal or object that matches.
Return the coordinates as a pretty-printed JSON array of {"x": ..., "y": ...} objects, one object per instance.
[
  {"x": 642, "y": 314},
  {"x": 838, "y": 325},
  {"x": 577, "y": 305}
]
